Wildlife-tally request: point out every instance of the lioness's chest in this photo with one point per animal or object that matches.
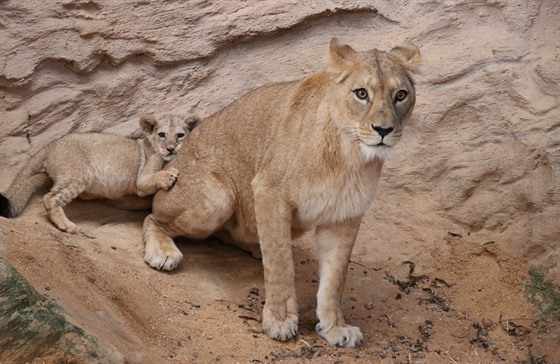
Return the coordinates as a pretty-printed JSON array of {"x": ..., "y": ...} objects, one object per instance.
[{"x": 335, "y": 198}]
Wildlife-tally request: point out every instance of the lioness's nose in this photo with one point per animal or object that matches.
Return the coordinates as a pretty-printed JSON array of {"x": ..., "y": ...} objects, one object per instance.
[{"x": 382, "y": 131}]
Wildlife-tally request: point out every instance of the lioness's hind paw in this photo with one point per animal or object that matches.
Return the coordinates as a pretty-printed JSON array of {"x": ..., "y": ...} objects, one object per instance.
[{"x": 343, "y": 336}]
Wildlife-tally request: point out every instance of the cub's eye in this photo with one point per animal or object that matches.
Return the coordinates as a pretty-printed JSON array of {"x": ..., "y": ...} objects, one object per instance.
[
  {"x": 161, "y": 134},
  {"x": 180, "y": 135},
  {"x": 361, "y": 93},
  {"x": 401, "y": 95}
]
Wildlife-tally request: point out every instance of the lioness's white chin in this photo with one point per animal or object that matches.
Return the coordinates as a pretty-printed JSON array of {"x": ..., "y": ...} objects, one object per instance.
[{"x": 372, "y": 152}]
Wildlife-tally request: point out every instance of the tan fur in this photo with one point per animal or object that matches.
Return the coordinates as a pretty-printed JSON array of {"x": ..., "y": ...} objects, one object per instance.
[
  {"x": 289, "y": 158},
  {"x": 103, "y": 166}
]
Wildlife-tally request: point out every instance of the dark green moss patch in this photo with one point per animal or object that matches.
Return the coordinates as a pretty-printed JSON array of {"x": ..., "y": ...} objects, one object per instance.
[
  {"x": 543, "y": 294},
  {"x": 33, "y": 327}
]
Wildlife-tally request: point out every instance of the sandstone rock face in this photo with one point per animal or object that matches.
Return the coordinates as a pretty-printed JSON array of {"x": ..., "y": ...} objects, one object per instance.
[{"x": 480, "y": 157}]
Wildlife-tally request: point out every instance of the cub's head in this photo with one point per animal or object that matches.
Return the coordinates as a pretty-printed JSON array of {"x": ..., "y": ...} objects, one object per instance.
[
  {"x": 374, "y": 94},
  {"x": 167, "y": 132}
]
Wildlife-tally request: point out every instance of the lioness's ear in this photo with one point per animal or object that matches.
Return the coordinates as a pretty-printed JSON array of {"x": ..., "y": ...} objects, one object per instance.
[
  {"x": 408, "y": 54},
  {"x": 340, "y": 53},
  {"x": 340, "y": 58},
  {"x": 148, "y": 123},
  {"x": 191, "y": 121}
]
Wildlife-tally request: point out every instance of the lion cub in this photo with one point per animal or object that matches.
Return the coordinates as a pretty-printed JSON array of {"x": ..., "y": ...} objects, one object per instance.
[{"x": 100, "y": 166}]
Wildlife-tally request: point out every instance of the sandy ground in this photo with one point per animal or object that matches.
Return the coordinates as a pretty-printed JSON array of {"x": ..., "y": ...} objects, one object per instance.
[{"x": 466, "y": 305}]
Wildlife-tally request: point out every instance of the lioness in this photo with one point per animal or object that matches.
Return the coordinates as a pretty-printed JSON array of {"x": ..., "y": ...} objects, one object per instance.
[
  {"x": 97, "y": 165},
  {"x": 285, "y": 159}
]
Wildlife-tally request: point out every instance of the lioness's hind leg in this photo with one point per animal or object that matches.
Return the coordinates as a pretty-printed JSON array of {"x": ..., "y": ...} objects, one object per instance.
[
  {"x": 205, "y": 204},
  {"x": 160, "y": 250},
  {"x": 59, "y": 196}
]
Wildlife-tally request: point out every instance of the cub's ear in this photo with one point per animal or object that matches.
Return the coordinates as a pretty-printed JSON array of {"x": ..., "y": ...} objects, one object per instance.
[
  {"x": 340, "y": 58},
  {"x": 148, "y": 123},
  {"x": 191, "y": 121},
  {"x": 408, "y": 54}
]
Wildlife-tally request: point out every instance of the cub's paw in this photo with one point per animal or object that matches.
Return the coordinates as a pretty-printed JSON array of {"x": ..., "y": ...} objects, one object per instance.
[
  {"x": 87, "y": 234},
  {"x": 168, "y": 178},
  {"x": 163, "y": 259},
  {"x": 67, "y": 227},
  {"x": 344, "y": 336}
]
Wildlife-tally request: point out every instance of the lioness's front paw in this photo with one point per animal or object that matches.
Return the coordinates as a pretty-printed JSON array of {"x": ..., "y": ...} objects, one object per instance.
[
  {"x": 345, "y": 336},
  {"x": 168, "y": 178},
  {"x": 163, "y": 259},
  {"x": 281, "y": 329}
]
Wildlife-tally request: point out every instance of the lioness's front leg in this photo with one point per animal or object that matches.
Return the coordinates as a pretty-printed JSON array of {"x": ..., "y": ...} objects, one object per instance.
[
  {"x": 334, "y": 245},
  {"x": 280, "y": 318}
]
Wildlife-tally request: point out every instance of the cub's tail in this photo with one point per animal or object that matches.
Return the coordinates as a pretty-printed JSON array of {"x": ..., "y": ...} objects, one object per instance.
[
  {"x": 28, "y": 180},
  {"x": 5, "y": 206}
]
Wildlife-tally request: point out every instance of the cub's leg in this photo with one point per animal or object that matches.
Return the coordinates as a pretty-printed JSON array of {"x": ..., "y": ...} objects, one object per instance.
[
  {"x": 206, "y": 204},
  {"x": 59, "y": 196},
  {"x": 152, "y": 178},
  {"x": 280, "y": 316},
  {"x": 334, "y": 245},
  {"x": 151, "y": 183}
]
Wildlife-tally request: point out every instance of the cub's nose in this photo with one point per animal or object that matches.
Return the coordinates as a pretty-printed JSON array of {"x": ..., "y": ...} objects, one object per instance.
[
  {"x": 382, "y": 131},
  {"x": 170, "y": 149}
]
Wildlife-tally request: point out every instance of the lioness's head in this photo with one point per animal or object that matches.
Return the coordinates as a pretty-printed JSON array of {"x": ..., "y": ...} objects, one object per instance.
[
  {"x": 375, "y": 94},
  {"x": 167, "y": 132}
]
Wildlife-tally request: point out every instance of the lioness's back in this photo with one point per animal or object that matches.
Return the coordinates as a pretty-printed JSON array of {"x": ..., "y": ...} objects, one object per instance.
[
  {"x": 230, "y": 144},
  {"x": 240, "y": 131}
]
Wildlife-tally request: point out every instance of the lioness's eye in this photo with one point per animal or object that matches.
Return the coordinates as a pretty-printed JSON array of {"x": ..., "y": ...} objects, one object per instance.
[
  {"x": 161, "y": 134},
  {"x": 361, "y": 93},
  {"x": 401, "y": 95},
  {"x": 180, "y": 135}
]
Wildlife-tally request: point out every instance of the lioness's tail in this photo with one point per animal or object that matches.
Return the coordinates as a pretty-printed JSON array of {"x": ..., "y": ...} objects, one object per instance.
[{"x": 28, "y": 180}]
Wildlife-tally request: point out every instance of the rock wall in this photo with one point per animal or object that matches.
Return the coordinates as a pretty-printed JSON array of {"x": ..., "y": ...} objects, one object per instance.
[{"x": 481, "y": 156}]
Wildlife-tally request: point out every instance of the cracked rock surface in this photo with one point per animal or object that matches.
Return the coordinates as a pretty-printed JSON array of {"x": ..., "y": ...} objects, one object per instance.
[{"x": 482, "y": 155}]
